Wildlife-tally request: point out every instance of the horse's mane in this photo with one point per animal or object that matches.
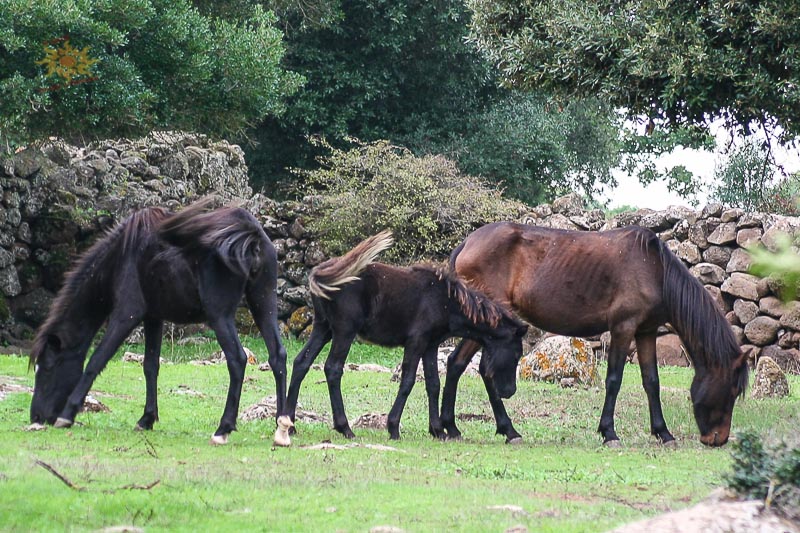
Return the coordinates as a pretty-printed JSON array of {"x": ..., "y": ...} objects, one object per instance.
[
  {"x": 476, "y": 306},
  {"x": 329, "y": 276},
  {"x": 706, "y": 333},
  {"x": 102, "y": 257}
]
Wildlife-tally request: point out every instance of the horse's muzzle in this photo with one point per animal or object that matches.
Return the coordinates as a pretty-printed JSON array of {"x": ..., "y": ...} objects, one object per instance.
[{"x": 714, "y": 439}]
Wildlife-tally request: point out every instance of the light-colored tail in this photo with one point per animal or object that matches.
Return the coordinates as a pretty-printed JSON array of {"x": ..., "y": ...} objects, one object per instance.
[{"x": 329, "y": 276}]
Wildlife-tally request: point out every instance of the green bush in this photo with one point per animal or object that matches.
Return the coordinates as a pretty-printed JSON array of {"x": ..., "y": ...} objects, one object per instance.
[
  {"x": 425, "y": 201},
  {"x": 767, "y": 473}
]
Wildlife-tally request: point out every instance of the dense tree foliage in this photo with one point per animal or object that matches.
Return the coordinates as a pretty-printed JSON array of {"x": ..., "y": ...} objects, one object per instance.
[
  {"x": 683, "y": 62},
  {"x": 537, "y": 150},
  {"x": 385, "y": 69},
  {"x": 92, "y": 68}
]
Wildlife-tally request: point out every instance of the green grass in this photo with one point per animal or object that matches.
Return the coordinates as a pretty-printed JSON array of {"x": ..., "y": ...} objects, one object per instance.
[{"x": 561, "y": 478}]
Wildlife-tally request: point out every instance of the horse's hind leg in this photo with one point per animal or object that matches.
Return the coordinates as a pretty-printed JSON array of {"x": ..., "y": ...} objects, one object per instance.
[
  {"x": 153, "y": 330},
  {"x": 120, "y": 324},
  {"x": 457, "y": 363},
  {"x": 503, "y": 421},
  {"x": 320, "y": 336},
  {"x": 263, "y": 303},
  {"x": 334, "y": 368},
  {"x": 648, "y": 365}
]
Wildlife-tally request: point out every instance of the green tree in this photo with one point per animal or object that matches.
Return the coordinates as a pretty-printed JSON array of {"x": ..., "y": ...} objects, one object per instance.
[
  {"x": 155, "y": 64},
  {"x": 680, "y": 62},
  {"x": 385, "y": 69},
  {"x": 748, "y": 178},
  {"x": 536, "y": 149}
]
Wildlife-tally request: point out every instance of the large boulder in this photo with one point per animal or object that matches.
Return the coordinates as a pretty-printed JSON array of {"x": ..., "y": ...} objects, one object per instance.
[
  {"x": 556, "y": 358},
  {"x": 770, "y": 381}
]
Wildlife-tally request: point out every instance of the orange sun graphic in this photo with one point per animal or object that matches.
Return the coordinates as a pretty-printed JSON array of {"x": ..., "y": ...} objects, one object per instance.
[{"x": 67, "y": 62}]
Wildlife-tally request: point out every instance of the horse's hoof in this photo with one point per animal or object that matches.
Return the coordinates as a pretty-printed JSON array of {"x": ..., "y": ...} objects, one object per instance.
[
  {"x": 219, "y": 440},
  {"x": 612, "y": 443},
  {"x": 281, "y": 437},
  {"x": 455, "y": 438},
  {"x": 137, "y": 427},
  {"x": 62, "y": 423},
  {"x": 670, "y": 443},
  {"x": 514, "y": 441}
]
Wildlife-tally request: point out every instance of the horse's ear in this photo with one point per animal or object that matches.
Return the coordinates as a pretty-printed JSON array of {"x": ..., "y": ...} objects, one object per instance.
[{"x": 522, "y": 330}]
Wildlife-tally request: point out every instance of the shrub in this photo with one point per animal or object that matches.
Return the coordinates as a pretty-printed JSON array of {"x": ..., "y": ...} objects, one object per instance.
[
  {"x": 425, "y": 201},
  {"x": 771, "y": 474}
]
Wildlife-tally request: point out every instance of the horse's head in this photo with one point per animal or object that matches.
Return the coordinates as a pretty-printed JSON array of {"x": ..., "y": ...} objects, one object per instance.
[
  {"x": 502, "y": 349},
  {"x": 58, "y": 369},
  {"x": 714, "y": 392}
]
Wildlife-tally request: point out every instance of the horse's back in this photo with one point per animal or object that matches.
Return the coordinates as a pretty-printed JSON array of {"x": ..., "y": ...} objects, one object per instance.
[{"x": 565, "y": 281}]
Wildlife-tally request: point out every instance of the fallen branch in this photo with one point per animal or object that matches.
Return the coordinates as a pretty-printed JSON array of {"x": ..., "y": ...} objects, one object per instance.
[
  {"x": 140, "y": 487},
  {"x": 60, "y": 476}
]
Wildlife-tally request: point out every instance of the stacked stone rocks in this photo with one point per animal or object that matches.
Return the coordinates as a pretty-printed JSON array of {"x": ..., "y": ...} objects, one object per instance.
[{"x": 57, "y": 198}]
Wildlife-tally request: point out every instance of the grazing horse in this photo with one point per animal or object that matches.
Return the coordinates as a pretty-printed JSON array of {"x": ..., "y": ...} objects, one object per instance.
[
  {"x": 625, "y": 281},
  {"x": 417, "y": 308},
  {"x": 188, "y": 267}
]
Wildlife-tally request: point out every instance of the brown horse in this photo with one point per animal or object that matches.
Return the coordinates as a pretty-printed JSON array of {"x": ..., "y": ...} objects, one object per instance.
[
  {"x": 624, "y": 281},
  {"x": 188, "y": 267},
  {"x": 417, "y": 308}
]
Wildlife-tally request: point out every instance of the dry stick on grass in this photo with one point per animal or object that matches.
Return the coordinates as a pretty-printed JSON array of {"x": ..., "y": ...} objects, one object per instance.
[
  {"x": 63, "y": 478},
  {"x": 73, "y": 486}
]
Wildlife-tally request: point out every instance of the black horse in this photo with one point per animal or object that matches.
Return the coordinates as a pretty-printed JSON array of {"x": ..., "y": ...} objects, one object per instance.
[
  {"x": 188, "y": 267},
  {"x": 417, "y": 308},
  {"x": 584, "y": 283}
]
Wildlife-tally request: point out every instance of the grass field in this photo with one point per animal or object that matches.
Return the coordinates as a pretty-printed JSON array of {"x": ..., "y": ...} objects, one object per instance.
[{"x": 560, "y": 479}]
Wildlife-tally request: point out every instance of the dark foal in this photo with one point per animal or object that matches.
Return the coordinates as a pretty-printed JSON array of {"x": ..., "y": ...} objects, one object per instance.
[
  {"x": 188, "y": 267},
  {"x": 582, "y": 283},
  {"x": 417, "y": 308}
]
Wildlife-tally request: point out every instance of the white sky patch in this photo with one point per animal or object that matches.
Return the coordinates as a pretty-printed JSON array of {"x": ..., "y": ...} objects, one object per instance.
[{"x": 700, "y": 162}]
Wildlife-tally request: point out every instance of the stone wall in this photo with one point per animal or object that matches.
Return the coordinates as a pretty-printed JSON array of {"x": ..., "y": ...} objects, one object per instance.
[{"x": 56, "y": 200}]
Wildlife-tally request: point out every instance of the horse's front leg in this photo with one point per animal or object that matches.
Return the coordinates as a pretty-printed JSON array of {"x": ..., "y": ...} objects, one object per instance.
[
  {"x": 430, "y": 368},
  {"x": 457, "y": 363},
  {"x": 621, "y": 337},
  {"x": 120, "y": 325},
  {"x": 153, "y": 330},
  {"x": 648, "y": 365},
  {"x": 408, "y": 374},
  {"x": 504, "y": 425}
]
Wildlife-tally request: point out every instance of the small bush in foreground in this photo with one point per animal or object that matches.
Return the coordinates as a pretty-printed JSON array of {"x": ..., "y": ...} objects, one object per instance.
[
  {"x": 425, "y": 201},
  {"x": 767, "y": 473}
]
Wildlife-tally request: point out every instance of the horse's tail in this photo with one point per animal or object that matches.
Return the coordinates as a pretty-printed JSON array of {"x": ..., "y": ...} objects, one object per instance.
[
  {"x": 329, "y": 276},
  {"x": 454, "y": 255},
  {"x": 695, "y": 315},
  {"x": 233, "y": 233}
]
